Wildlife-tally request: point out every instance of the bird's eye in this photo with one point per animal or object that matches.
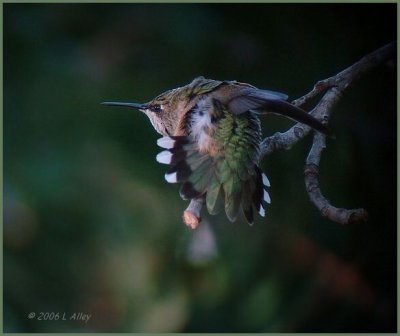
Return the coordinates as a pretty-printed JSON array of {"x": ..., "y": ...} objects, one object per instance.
[{"x": 156, "y": 108}]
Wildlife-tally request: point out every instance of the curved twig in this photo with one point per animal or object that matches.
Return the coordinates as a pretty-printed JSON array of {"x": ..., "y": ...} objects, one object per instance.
[
  {"x": 339, "y": 215},
  {"x": 336, "y": 86}
]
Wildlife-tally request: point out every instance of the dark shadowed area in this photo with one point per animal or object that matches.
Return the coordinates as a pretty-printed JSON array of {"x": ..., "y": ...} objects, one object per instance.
[{"x": 91, "y": 226}]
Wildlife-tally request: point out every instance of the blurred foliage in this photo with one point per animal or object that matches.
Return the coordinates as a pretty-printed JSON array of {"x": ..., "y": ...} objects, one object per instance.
[{"x": 90, "y": 224}]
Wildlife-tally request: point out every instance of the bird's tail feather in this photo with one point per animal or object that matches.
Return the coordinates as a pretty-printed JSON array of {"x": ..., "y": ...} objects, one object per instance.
[{"x": 202, "y": 175}]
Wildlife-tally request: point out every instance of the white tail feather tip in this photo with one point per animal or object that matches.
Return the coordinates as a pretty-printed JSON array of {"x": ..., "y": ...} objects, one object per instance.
[
  {"x": 265, "y": 180},
  {"x": 166, "y": 142},
  {"x": 266, "y": 197},
  {"x": 171, "y": 178},
  {"x": 164, "y": 157},
  {"x": 261, "y": 211}
]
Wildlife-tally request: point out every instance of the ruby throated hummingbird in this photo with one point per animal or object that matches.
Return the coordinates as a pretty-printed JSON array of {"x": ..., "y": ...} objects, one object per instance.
[{"x": 212, "y": 136}]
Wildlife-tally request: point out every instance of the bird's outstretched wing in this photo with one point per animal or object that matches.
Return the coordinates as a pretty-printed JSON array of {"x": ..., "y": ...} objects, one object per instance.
[{"x": 264, "y": 101}]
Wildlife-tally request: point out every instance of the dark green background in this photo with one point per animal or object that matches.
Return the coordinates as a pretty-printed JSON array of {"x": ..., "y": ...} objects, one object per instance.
[{"x": 91, "y": 226}]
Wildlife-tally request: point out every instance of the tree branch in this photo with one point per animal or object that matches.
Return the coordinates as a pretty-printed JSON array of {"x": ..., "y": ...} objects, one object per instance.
[
  {"x": 334, "y": 86},
  {"x": 191, "y": 216},
  {"x": 311, "y": 169}
]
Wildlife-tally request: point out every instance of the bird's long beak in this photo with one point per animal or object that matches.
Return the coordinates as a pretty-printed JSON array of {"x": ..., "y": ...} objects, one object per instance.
[{"x": 130, "y": 105}]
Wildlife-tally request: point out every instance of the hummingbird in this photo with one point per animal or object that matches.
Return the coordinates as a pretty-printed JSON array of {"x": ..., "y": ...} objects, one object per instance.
[{"x": 211, "y": 140}]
